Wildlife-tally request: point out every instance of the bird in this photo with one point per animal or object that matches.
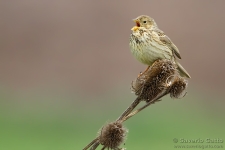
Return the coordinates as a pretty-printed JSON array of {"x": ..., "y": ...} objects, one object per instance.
[{"x": 148, "y": 43}]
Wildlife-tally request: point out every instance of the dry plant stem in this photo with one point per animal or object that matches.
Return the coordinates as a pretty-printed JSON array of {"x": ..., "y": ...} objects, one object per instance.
[
  {"x": 103, "y": 148},
  {"x": 130, "y": 108},
  {"x": 90, "y": 144},
  {"x": 149, "y": 88},
  {"x": 127, "y": 114},
  {"x": 124, "y": 114},
  {"x": 160, "y": 95},
  {"x": 95, "y": 146}
]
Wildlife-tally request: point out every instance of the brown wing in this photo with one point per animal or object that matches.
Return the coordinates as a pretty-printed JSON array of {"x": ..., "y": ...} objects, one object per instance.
[{"x": 166, "y": 40}]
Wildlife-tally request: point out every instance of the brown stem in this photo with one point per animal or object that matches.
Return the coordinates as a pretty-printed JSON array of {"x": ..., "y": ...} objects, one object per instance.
[
  {"x": 130, "y": 108},
  {"x": 127, "y": 114},
  {"x": 160, "y": 95},
  {"x": 90, "y": 144},
  {"x": 95, "y": 146},
  {"x": 124, "y": 114}
]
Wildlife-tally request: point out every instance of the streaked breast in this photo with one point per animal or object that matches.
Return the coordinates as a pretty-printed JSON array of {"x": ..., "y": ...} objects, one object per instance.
[{"x": 146, "y": 49}]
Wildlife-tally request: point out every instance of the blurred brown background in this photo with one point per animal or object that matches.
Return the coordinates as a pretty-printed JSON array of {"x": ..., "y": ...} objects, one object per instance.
[
  {"x": 69, "y": 48},
  {"x": 85, "y": 43}
]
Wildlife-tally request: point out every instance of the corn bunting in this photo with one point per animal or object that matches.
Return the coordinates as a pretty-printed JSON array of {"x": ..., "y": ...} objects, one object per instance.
[{"x": 148, "y": 43}]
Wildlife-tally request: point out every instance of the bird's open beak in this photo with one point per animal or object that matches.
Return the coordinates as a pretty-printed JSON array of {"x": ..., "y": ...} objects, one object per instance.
[{"x": 137, "y": 25}]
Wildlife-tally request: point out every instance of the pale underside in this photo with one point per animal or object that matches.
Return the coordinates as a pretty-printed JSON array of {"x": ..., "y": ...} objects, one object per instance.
[{"x": 146, "y": 47}]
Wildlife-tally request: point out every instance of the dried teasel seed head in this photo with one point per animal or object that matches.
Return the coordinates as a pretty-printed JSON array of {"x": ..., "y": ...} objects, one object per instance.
[
  {"x": 178, "y": 88},
  {"x": 159, "y": 76},
  {"x": 112, "y": 135},
  {"x": 137, "y": 84}
]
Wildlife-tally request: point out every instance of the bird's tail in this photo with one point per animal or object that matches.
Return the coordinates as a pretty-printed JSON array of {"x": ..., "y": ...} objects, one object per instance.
[{"x": 182, "y": 71}]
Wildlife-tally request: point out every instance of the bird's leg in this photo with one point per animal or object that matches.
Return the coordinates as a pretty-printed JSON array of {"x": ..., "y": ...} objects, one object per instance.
[{"x": 144, "y": 71}]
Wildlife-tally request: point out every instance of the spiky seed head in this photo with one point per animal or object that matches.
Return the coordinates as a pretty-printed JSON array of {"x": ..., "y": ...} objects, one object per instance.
[
  {"x": 112, "y": 135},
  {"x": 159, "y": 76},
  {"x": 178, "y": 88}
]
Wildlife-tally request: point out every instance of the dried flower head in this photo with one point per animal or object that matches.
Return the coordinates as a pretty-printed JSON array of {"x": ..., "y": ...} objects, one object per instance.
[
  {"x": 159, "y": 76},
  {"x": 178, "y": 88},
  {"x": 112, "y": 135}
]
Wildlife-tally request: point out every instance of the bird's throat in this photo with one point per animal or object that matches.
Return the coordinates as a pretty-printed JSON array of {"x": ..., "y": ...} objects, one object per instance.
[{"x": 135, "y": 28}]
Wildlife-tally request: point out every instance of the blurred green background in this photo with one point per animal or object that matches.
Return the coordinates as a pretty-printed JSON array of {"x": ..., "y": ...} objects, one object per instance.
[{"x": 66, "y": 70}]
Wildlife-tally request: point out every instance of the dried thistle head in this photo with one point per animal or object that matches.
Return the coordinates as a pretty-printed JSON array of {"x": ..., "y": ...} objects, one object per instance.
[
  {"x": 178, "y": 88},
  {"x": 158, "y": 77},
  {"x": 112, "y": 135}
]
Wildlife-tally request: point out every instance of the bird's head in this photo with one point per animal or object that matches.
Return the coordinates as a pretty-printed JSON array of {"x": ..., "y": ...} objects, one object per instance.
[{"x": 144, "y": 21}]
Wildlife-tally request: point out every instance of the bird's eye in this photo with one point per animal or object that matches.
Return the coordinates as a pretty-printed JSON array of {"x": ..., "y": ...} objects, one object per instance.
[{"x": 144, "y": 21}]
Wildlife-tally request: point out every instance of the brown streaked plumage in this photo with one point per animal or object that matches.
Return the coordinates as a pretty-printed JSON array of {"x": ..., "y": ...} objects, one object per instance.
[{"x": 148, "y": 43}]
